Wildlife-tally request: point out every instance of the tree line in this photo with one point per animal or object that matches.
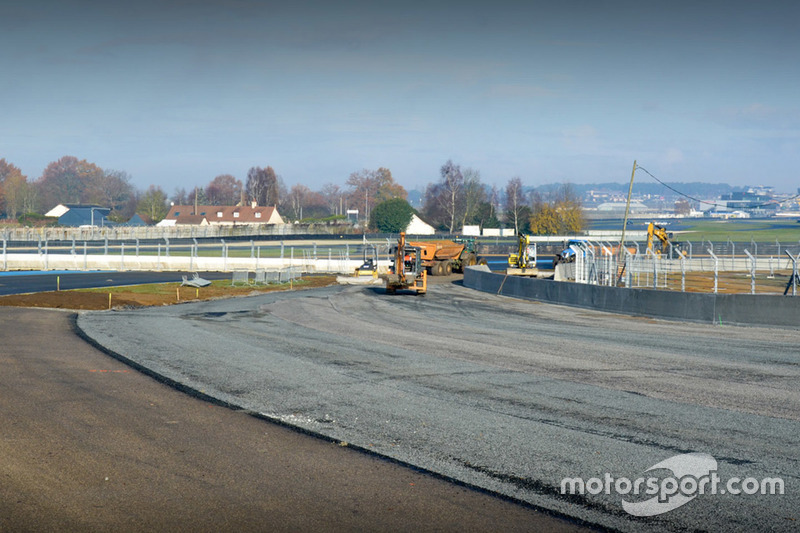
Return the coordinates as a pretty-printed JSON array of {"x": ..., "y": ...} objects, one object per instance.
[{"x": 457, "y": 198}]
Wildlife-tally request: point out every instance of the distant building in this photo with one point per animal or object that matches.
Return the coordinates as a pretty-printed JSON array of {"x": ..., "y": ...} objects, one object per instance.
[
  {"x": 80, "y": 215},
  {"x": 417, "y": 226},
  {"x": 222, "y": 215},
  {"x": 619, "y": 207}
]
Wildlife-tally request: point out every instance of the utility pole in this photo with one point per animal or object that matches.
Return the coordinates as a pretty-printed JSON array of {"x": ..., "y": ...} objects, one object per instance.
[{"x": 625, "y": 221}]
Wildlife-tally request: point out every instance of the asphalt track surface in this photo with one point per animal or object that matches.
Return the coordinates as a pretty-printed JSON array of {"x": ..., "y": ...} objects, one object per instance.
[
  {"x": 498, "y": 393},
  {"x": 89, "y": 444},
  {"x": 26, "y": 282}
]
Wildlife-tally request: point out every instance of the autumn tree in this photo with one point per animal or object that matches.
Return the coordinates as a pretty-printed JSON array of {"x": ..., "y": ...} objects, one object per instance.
[
  {"x": 224, "y": 190},
  {"x": 68, "y": 180},
  {"x": 153, "y": 204},
  {"x": 562, "y": 214},
  {"x": 10, "y": 179},
  {"x": 262, "y": 186},
  {"x": 370, "y": 187}
]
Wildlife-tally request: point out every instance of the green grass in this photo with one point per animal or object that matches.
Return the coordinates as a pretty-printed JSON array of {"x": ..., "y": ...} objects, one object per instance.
[{"x": 741, "y": 230}]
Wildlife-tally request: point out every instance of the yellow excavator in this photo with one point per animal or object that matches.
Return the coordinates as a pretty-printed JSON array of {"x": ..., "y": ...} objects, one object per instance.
[
  {"x": 523, "y": 263},
  {"x": 664, "y": 238}
]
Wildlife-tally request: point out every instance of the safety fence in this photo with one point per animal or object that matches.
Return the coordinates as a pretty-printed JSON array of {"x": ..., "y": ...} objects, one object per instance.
[
  {"x": 190, "y": 254},
  {"x": 702, "y": 267}
]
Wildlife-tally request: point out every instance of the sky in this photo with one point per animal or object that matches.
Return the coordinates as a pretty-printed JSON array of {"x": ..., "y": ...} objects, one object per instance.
[{"x": 177, "y": 92}]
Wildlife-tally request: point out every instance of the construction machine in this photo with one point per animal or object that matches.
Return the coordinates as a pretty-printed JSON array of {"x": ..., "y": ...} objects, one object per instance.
[
  {"x": 407, "y": 270},
  {"x": 664, "y": 238},
  {"x": 523, "y": 263},
  {"x": 369, "y": 267},
  {"x": 442, "y": 258}
]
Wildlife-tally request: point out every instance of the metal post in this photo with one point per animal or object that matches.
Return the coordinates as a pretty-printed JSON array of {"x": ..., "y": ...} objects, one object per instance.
[
  {"x": 252, "y": 249},
  {"x": 122, "y": 255},
  {"x": 5, "y": 258},
  {"x": 778, "y": 244},
  {"x": 281, "y": 249},
  {"x": 733, "y": 253},
  {"x": 72, "y": 251},
  {"x": 755, "y": 246},
  {"x": 683, "y": 274},
  {"x": 137, "y": 247},
  {"x": 716, "y": 269},
  {"x": 690, "y": 248},
  {"x": 347, "y": 252},
  {"x": 85, "y": 259},
  {"x": 752, "y": 272},
  {"x": 794, "y": 273},
  {"x": 166, "y": 239}
]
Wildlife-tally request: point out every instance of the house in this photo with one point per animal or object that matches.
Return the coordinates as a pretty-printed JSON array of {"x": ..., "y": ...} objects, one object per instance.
[
  {"x": 220, "y": 215},
  {"x": 80, "y": 215},
  {"x": 417, "y": 226}
]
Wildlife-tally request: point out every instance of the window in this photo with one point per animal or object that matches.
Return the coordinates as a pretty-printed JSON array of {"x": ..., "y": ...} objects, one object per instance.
[
  {"x": 258, "y": 215},
  {"x": 219, "y": 214},
  {"x": 235, "y": 214},
  {"x": 177, "y": 213}
]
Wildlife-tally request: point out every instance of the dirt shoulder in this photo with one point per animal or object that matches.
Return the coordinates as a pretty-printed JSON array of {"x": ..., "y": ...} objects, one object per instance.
[{"x": 150, "y": 295}]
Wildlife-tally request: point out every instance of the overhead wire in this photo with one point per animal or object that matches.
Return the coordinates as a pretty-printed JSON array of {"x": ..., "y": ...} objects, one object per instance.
[{"x": 714, "y": 204}]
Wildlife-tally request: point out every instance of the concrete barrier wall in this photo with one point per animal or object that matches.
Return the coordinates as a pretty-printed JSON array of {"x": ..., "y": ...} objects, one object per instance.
[
  {"x": 745, "y": 309},
  {"x": 176, "y": 263}
]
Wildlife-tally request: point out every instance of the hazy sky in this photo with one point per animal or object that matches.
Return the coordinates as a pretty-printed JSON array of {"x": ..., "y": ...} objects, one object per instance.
[{"x": 177, "y": 92}]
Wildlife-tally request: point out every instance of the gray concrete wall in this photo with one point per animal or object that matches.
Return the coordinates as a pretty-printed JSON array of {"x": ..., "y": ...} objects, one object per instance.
[{"x": 746, "y": 309}]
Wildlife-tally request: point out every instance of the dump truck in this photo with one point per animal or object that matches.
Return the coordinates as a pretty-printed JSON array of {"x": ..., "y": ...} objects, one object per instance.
[
  {"x": 442, "y": 258},
  {"x": 407, "y": 271}
]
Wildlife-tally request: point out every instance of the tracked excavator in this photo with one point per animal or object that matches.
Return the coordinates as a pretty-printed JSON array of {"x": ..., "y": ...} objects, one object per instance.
[
  {"x": 407, "y": 271},
  {"x": 659, "y": 240}
]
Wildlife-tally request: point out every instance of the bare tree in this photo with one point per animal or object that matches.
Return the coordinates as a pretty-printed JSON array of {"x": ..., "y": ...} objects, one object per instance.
[
  {"x": 474, "y": 195},
  {"x": 262, "y": 186},
  {"x": 297, "y": 199},
  {"x": 334, "y": 198},
  {"x": 515, "y": 203},
  {"x": 452, "y": 186},
  {"x": 224, "y": 190}
]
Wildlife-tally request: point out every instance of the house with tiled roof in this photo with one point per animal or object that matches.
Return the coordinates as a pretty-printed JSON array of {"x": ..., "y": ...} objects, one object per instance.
[{"x": 221, "y": 215}]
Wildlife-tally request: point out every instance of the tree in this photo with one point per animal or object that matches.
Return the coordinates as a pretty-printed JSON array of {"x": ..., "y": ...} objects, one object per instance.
[
  {"x": 262, "y": 186},
  {"x": 371, "y": 187},
  {"x": 515, "y": 203},
  {"x": 683, "y": 207},
  {"x": 297, "y": 199},
  {"x": 333, "y": 197},
  {"x": 224, "y": 190},
  {"x": 69, "y": 180},
  {"x": 444, "y": 200},
  {"x": 10, "y": 178},
  {"x": 474, "y": 195},
  {"x": 111, "y": 189},
  {"x": 563, "y": 214},
  {"x": 153, "y": 204},
  {"x": 391, "y": 216},
  {"x": 19, "y": 196}
]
